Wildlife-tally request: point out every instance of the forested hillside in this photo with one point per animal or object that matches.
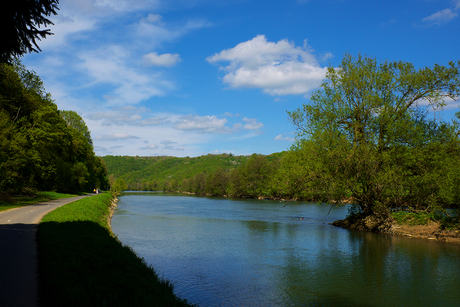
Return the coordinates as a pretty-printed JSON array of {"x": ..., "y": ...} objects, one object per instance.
[
  {"x": 279, "y": 175},
  {"x": 41, "y": 147},
  {"x": 150, "y": 173}
]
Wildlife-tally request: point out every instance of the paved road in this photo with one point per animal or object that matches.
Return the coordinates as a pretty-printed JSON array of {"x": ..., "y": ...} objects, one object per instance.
[{"x": 18, "y": 254}]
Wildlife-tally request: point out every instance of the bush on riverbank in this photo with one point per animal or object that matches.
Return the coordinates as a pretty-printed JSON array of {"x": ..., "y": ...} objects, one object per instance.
[{"x": 80, "y": 263}]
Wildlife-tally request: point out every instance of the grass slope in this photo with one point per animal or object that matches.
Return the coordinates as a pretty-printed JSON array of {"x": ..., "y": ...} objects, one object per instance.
[{"x": 80, "y": 263}]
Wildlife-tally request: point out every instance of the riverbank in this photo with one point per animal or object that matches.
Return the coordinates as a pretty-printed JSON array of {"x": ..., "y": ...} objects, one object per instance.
[
  {"x": 81, "y": 263},
  {"x": 431, "y": 231}
]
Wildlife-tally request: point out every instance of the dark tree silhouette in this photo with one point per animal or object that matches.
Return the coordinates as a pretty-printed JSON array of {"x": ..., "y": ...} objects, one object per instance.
[{"x": 20, "y": 22}]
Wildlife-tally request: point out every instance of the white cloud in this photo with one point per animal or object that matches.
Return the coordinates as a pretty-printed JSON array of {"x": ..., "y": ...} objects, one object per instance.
[
  {"x": 228, "y": 114},
  {"x": 326, "y": 56},
  {"x": 110, "y": 66},
  {"x": 152, "y": 18},
  {"x": 153, "y": 121},
  {"x": 202, "y": 124},
  {"x": 127, "y": 115},
  {"x": 168, "y": 144},
  {"x": 126, "y": 5},
  {"x": 284, "y": 138},
  {"x": 150, "y": 32},
  {"x": 133, "y": 116},
  {"x": 166, "y": 59},
  {"x": 443, "y": 16},
  {"x": 64, "y": 28},
  {"x": 252, "y": 124},
  {"x": 279, "y": 68},
  {"x": 152, "y": 146},
  {"x": 450, "y": 104}
]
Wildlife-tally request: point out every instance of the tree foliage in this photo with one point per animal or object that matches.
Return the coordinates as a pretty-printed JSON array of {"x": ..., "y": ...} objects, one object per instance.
[
  {"x": 217, "y": 175},
  {"x": 370, "y": 138},
  {"x": 21, "y": 21},
  {"x": 38, "y": 150},
  {"x": 118, "y": 186},
  {"x": 76, "y": 121}
]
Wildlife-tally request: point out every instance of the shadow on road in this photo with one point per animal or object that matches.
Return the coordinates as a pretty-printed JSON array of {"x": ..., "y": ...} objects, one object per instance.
[{"x": 18, "y": 265}]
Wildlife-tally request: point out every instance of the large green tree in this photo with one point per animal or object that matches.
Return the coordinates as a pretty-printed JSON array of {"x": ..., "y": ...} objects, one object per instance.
[
  {"x": 21, "y": 21},
  {"x": 76, "y": 121},
  {"x": 38, "y": 149},
  {"x": 371, "y": 139}
]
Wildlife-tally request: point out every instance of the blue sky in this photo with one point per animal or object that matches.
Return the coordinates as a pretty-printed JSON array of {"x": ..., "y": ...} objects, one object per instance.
[{"x": 192, "y": 77}]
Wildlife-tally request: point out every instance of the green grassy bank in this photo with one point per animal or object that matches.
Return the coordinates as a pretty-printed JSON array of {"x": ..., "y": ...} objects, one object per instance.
[{"x": 80, "y": 263}]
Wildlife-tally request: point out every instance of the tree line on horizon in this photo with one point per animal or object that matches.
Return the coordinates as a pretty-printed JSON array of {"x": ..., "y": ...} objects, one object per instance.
[{"x": 216, "y": 175}]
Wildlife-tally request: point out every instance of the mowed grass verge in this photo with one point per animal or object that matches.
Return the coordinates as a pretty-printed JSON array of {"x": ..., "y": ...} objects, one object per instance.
[{"x": 80, "y": 263}]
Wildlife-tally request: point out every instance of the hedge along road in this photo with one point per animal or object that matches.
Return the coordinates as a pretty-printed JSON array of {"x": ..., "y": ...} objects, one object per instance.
[{"x": 18, "y": 252}]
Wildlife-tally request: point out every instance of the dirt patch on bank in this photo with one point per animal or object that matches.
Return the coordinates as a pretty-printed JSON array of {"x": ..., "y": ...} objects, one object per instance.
[
  {"x": 113, "y": 206},
  {"x": 431, "y": 231}
]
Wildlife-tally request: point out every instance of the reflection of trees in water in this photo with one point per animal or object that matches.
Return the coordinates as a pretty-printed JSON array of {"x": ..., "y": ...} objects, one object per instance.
[{"x": 365, "y": 269}]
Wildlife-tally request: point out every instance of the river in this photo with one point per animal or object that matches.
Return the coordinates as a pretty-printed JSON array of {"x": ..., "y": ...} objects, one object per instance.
[{"x": 231, "y": 252}]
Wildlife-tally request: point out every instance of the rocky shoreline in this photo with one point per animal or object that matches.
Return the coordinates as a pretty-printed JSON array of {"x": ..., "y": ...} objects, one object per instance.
[
  {"x": 113, "y": 206},
  {"x": 376, "y": 224}
]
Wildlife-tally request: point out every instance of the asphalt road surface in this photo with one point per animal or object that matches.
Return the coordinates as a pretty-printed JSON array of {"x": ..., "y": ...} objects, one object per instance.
[{"x": 18, "y": 252}]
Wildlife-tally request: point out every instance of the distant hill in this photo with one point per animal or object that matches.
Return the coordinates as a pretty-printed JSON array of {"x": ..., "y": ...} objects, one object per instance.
[{"x": 139, "y": 170}]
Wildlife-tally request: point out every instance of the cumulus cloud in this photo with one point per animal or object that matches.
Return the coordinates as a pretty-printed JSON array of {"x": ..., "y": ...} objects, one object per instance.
[
  {"x": 443, "y": 16},
  {"x": 166, "y": 59},
  {"x": 279, "y": 68}
]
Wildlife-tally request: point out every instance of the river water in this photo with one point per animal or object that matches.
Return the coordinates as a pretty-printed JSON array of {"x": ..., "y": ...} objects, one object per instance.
[{"x": 230, "y": 252}]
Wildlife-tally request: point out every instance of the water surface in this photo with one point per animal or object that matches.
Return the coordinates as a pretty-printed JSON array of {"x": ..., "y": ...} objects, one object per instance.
[{"x": 227, "y": 252}]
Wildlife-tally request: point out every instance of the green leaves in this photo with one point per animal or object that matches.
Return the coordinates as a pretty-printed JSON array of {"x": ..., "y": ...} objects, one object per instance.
[
  {"x": 38, "y": 150},
  {"x": 370, "y": 138}
]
